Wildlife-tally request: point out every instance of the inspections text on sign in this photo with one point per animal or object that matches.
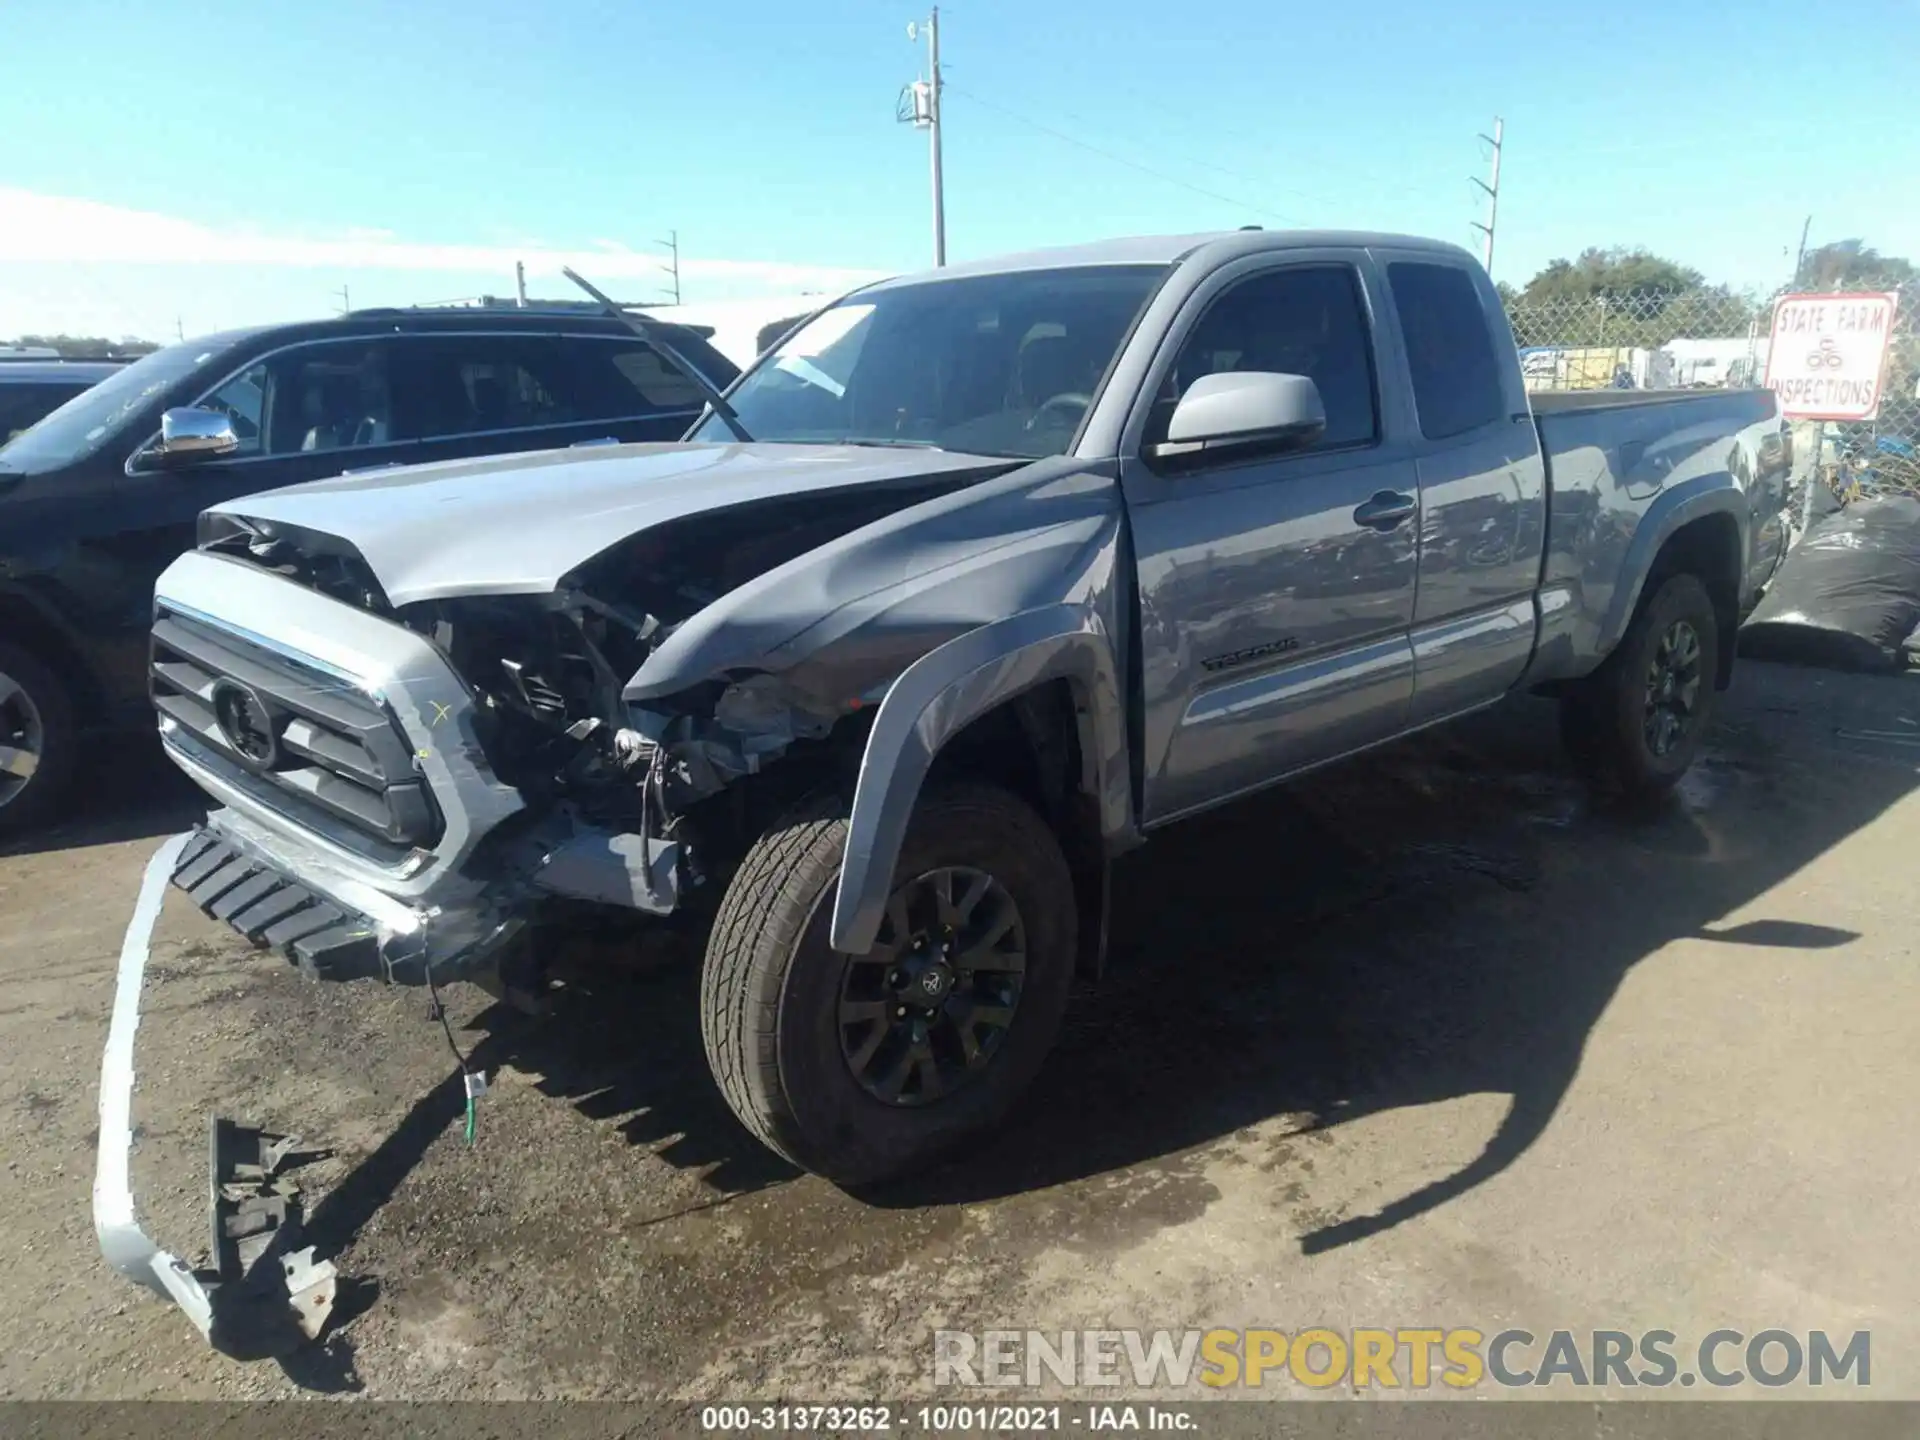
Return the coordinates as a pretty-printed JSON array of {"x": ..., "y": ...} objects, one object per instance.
[{"x": 1828, "y": 357}]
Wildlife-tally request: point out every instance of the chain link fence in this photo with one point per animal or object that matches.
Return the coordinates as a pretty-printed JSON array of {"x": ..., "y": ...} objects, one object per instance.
[{"x": 1714, "y": 338}]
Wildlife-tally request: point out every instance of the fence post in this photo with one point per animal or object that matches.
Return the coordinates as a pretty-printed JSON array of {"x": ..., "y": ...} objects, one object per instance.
[{"x": 1819, "y": 429}]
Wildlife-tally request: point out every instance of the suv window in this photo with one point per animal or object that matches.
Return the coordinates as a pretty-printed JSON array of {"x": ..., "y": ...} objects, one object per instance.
[
  {"x": 243, "y": 399},
  {"x": 1304, "y": 320},
  {"x": 640, "y": 384},
  {"x": 1450, "y": 354},
  {"x": 316, "y": 397},
  {"x": 472, "y": 384}
]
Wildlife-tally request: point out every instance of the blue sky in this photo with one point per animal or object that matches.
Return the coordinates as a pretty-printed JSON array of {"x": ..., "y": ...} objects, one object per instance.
[{"x": 225, "y": 163}]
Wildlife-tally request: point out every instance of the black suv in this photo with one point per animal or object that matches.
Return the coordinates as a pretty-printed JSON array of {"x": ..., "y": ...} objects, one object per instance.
[{"x": 99, "y": 496}]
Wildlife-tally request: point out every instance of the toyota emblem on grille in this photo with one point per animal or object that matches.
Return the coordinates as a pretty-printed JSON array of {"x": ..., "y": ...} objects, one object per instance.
[{"x": 246, "y": 723}]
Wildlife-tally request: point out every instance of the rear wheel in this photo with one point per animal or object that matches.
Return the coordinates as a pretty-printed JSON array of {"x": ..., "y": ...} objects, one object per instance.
[
  {"x": 869, "y": 1066},
  {"x": 38, "y": 744},
  {"x": 1637, "y": 722}
]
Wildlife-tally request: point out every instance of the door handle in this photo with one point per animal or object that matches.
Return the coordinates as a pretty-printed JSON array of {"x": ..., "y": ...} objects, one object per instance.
[{"x": 1386, "y": 510}]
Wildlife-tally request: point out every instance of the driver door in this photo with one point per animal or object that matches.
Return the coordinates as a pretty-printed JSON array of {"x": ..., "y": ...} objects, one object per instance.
[{"x": 1276, "y": 589}]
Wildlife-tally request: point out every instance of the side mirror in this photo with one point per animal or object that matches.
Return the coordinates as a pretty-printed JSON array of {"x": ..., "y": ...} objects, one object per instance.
[
  {"x": 189, "y": 433},
  {"x": 1241, "y": 408}
]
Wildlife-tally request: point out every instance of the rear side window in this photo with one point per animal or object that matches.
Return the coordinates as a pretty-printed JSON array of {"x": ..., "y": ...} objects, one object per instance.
[
  {"x": 448, "y": 385},
  {"x": 1456, "y": 376}
]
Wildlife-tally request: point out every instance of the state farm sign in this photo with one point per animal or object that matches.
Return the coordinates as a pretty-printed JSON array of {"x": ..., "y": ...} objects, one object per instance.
[{"x": 1829, "y": 355}]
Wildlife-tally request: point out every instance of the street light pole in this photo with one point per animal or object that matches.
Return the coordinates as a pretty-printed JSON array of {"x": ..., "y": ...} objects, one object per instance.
[
  {"x": 933, "y": 134},
  {"x": 920, "y": 104}
]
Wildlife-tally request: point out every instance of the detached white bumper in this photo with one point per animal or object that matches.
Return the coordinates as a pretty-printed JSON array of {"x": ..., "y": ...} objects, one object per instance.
[{"x": 265, "y": 1296}]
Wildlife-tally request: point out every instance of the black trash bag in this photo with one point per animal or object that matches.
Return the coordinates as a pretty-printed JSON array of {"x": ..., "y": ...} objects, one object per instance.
[{"x": 1848, "y": 596}]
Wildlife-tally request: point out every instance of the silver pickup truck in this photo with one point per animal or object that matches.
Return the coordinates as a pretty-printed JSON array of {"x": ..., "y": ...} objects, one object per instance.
[{"x": 977, "y": 580}]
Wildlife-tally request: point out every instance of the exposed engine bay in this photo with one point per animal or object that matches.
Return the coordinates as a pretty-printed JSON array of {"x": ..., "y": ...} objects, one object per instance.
[{"x": 547, "y": 670}]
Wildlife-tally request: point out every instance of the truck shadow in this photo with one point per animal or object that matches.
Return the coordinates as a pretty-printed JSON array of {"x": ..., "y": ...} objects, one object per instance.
[
  {"x": 1377, "y": 937},
  {"x": 1448, "y": 917},
  {"x": 622, "y": 1045}
]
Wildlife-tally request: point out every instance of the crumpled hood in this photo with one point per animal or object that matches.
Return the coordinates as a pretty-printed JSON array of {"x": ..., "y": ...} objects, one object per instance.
[{"x": 516, "y": 524}]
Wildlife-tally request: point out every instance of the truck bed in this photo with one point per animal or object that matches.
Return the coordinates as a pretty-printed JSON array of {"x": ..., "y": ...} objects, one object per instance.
[{"x": 1616, "y": 460}]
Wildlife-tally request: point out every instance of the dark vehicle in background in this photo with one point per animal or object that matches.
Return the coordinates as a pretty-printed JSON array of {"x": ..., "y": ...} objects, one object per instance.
[
  {"x": 32, "y": 389},
  {"x": 98, "y": 496}
]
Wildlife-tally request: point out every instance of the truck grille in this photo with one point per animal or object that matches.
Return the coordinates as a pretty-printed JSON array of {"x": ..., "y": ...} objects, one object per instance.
[{"x": 312, "y": 746}]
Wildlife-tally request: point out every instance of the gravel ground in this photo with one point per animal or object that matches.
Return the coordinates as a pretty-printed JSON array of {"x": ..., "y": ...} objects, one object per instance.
[{"x": 1420, "y": 1040}]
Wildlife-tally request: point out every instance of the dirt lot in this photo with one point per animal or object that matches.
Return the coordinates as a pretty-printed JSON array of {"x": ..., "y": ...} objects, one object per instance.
[{"x": 1420, "y": 1041}]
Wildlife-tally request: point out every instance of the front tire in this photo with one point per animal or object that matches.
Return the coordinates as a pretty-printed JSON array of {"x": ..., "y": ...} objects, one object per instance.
[
  {"x": 1637, "y": 722},
  {"x": 38, "y": 741},
  {"x": 864, "y": 1068}
]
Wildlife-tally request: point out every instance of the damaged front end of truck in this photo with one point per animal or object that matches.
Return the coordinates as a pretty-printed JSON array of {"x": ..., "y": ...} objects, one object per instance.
[{"x": 437, "y": 707}]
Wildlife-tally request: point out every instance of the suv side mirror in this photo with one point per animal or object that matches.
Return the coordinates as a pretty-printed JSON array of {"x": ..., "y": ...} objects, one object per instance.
[
  {"x": 189, "y": 433},
  {"x": 1244, "y": 407}
]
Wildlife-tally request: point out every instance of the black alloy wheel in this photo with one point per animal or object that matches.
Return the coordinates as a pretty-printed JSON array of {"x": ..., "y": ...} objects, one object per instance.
[{"x": 928, "y": 1008}]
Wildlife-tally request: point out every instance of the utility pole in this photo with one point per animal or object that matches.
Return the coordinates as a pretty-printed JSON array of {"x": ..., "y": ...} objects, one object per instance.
[
  {"x": 346, "y": 304},
  {"x": 179, "y": 328},
  {"x": 1492, "y": 186},
  {"x": 925, "y": 115},
  {"x": 520, "y": 283},
  {"x": 1800, "y": 260},
  {"x": 672, "y": 242}
]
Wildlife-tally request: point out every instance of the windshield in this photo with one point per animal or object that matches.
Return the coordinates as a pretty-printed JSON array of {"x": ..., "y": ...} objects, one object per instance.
[
  {"x": 990, "y": 364},
  {"x": 91, "y": 418}
]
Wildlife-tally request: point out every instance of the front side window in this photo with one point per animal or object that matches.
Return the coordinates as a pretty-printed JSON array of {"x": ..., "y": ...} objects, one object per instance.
[
  {"x": 1305, "y": 320},
  {"x": 328, "y": 397},
  {"x": 243, "y": 400},
  {"x": 987, "y": 364}
]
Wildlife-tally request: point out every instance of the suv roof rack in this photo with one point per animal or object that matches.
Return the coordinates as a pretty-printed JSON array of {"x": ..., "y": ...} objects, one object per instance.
[{"x": 569, "y": 309}]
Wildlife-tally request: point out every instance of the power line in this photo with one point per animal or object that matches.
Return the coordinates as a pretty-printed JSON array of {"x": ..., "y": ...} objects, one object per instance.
[{"x": 1106, "y": 154}]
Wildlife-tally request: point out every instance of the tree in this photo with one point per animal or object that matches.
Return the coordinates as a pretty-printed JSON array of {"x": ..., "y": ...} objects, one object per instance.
[
  {"x": 1619, "y": 297},
  {"x": 1615, "y": 273},
  {"x": 1852, "y": 265}
]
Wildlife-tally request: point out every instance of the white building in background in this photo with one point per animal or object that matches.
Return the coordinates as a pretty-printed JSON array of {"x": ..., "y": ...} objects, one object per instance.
[
  {"x": 1737, "y": 360},
  {"x": 738, "y": 324}
]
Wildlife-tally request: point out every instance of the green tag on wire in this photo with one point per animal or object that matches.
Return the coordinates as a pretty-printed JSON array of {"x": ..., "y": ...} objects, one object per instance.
[{"x": 476, "y": 1083}]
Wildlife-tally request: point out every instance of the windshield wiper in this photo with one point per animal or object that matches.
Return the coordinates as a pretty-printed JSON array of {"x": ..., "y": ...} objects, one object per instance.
[
  {"x": 654, "y": 332},
  {"x": 893, "y": 444}
]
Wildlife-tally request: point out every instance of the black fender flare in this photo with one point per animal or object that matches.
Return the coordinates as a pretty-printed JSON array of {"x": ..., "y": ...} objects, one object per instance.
[{"x": 938, "y": 696}]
